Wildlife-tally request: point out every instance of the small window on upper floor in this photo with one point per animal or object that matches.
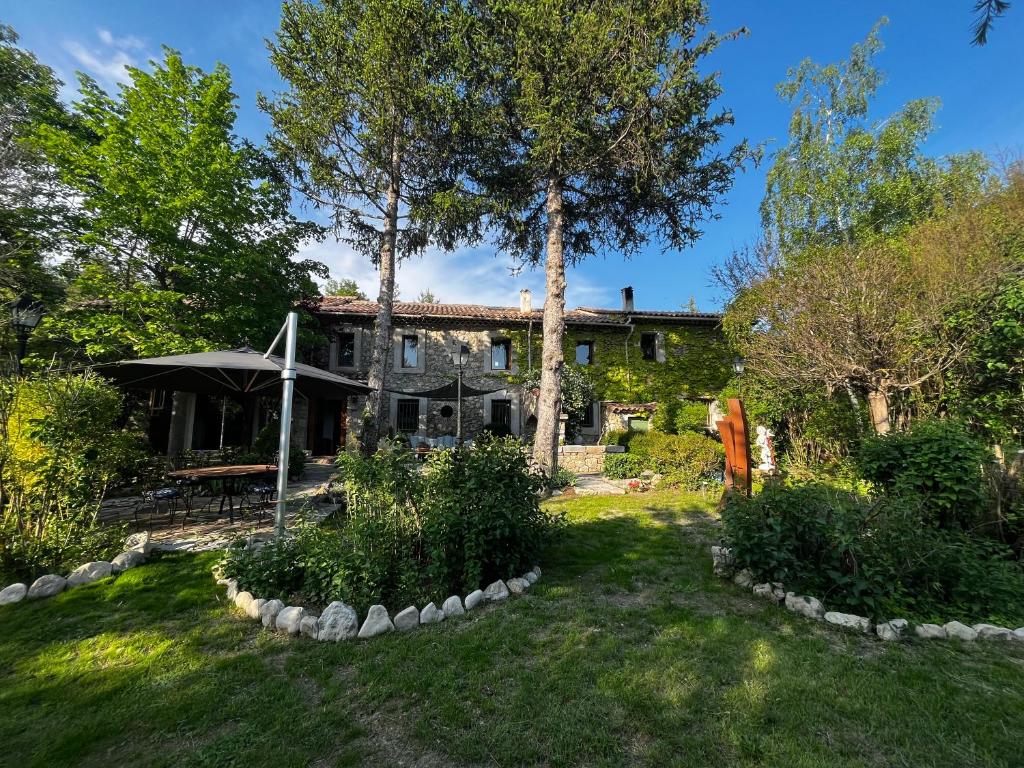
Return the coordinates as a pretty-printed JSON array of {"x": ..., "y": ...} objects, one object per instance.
[
  {"x": 649, "y": 346},
  {"x": 584, "y": 353},
  {"x": 346, "y": 350},
  {"x": 410, "y": 351},
  {"x": 501, "y": 354}
]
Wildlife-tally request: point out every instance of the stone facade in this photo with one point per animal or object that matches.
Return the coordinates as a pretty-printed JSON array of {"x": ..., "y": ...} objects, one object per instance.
[{"x": 586, "y": 459}]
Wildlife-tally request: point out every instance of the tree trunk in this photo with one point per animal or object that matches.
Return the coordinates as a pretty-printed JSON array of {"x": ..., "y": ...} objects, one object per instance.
[
  {"x": 374, "y": 416},
  {"x": 878, "y": 405},
  {"x": 549, "y": 404}
]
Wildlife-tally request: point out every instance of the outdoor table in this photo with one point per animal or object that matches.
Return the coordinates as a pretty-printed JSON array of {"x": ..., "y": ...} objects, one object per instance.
[{"x": 230, "y": 476}]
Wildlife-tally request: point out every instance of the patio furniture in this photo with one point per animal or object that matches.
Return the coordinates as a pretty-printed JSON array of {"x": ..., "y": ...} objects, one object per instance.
[
  {"x": 166, "y": 496},
  {"x": 232, "y": 480}
]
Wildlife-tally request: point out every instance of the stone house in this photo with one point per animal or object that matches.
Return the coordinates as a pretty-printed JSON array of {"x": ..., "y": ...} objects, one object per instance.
[{"x": 635, "y": 357}]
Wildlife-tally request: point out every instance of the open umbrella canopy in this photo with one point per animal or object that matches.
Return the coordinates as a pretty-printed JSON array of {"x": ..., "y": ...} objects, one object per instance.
[{"x": 238, "y": 372}]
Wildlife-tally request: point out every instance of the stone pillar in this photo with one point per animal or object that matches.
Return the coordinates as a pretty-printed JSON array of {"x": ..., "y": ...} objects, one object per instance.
[{"x": 183, "y": 413}]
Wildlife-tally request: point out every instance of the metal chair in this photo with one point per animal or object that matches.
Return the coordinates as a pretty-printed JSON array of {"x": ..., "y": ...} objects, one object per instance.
[
  {"x": 264, "y": 492},
  {"x": 165, "y": 496}
]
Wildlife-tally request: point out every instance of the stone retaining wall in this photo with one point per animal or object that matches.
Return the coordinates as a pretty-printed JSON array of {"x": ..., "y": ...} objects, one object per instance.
[{"x": 586, "y": 459}]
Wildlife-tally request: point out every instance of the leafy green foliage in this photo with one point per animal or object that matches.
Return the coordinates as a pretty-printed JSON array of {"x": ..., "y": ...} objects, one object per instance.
[
  {"x": 674, "y": 416},
  {"x": 616, "y": 437},
  {"x": 883, "y": 557},
  {"x": 686, "y": 460},
  {"x": 472, "y": 516},
  {"x": 620, "y": 466},
  {"x": 62, "y": 450},
  {"x": 578, "y": 394},
  {"x": 188, "y": 238},
  {"x": 935, "y": 461}
]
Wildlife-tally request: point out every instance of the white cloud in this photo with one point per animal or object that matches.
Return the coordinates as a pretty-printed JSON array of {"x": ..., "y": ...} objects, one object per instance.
[
  {"x": 467, "y": 275},
  {"x": 107, "y": 61},
  {"x": 129, "y": 42}
]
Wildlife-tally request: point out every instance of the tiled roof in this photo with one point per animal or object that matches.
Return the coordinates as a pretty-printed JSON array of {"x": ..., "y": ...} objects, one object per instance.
[
  {"x": 631, "y": 407},
  {"x": 348, "y": 305}
]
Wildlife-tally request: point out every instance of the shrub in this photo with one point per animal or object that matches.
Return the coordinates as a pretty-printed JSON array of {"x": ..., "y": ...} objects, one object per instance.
[
  {"x": 692, "y": 416},
  {"x": 938, "y": 462},
  {"x": 880, "y": 557},
  {"x": 685, "y": 460},
  {"x": 620, "y": 466},
  {"x": 664, "y": 417},
  {"x": 563, "y": 478},
  {"x": 497, "y": 430},
  {"x": 265, "y": 450},
  {"x": 616, "y": 437},
  {"x": 61, "y": 450}
]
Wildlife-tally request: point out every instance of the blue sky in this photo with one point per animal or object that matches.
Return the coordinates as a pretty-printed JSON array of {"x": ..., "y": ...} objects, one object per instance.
[{"x": 927, "y": 54}]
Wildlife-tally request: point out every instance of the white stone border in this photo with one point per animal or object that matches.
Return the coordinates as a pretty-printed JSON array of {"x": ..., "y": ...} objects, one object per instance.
[
  {"x": 341, "y": 622},
  {"x": 893, "y": 629},
  {"x": 137, "y": 548}
]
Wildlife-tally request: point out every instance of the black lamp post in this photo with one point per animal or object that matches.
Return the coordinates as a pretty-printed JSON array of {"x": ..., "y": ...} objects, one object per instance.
[
  {"x": 738, "y": 364},
  {"x": 460, "y": 357},
  {"x": 26, "y": 313}
]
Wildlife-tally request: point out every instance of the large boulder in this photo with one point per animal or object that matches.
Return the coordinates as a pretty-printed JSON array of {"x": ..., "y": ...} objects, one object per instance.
[
  {"x": 496, "y": 591},
  {"x": 14, "y": 593},
  {"x": 1018, "y": 634},
  {"x": 517, "y": 586},
  {"x": 848, "y": 621},
  {"x": 243, "y": 600},
  {"x": 128, "y": 559},
  {"x": 90, "y": 572},
  {"x": 139, "y": 542},
  {"x": 269, "y": 611},
  {"x": 930, "y": 632},
  {"x": 408, "y": 619},
  {"x": 959, "y": 631},
  {"x": 310, "y": 627},
  {"x": 377, "y": 622},
  {"x": 810, "y": 607},
  {"x": 473, "y": 599},
  {"x": 993, "y": 632},
  {"x": 47, "y": 586},
  {"x": 253, "y": 609},
  {"x": 338, "y": 622},
  {"x": 453, "y": 606},
  {"x": 290, "y": 619},
  {"x": 230, "y": 588},
  {"x": 892, "y": 629},
  {"x": 431, "y": 614}
]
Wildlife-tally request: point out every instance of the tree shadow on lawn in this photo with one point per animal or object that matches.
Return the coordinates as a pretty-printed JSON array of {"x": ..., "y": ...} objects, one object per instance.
[{"x": 627, "y": 652}]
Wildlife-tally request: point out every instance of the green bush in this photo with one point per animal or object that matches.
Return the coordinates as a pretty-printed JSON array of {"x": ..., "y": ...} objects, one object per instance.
[
  {"x": 470, "y": 517},
  {"x": 685, "y": 460},
  {"x": 620, "y": 466},
  {"x": 563, "y": 478},
  {"x": 497, "y": 430},
  {"x": 265, "y": 450},
  {"x": 692, "y": 416},
  {"x": 62, "y": 449},
  {"x": 616, "y": 437},
  {"x": 880, "y": 557},
  {"x": 938, "y": 462},
  {"x": 664, "y": 417}
]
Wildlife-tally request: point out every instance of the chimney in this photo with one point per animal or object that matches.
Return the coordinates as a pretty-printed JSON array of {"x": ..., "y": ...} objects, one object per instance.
[
  {"x": 525, "y": 300},
  {"x": 627, "y": 299}
]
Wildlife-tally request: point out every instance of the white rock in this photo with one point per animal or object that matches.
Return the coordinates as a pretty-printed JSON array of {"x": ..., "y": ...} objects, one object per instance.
[
  {"x": 47, "y": 586},
  {"x": 744, "y": 579},
  {"x": 407, "y": 619},
  {"x": 338, "y": 622},
  {"x": 453, "y": 606},
  {"x": 431, "y": 614},
  {"x": 778, "y": 591},
  {"x": 290, "y": 619},
  {"x": 269, "y": 611},
  {"x": 253, "y": 611},
  {"x": 848, "y": 621},
  {"x": 1018, "y": 634},
  {"x": 310, "y": 627},
  {"x": 14, "y": 593},
  {"x": 536, "y": 569},
  {"x": 531, "y": 576},
  {"x": 473, "y": 599},
  {"x": 243, "y": 600},
  {"x": 992, "y": 632},
  {"x": 496, "y": 591},
  {"x": 722, "y": 560},
  {"x": 126, "y": 560},
  {"x": 139, "y": 542},
  {"x": 810, "y": 607},
  {"x": 377, "y": 622},
  {"x": 764, "y": 590},
  {"x": 517, "y": 586},
  {"x": 892, "y": 629},
  {"x": 930, "y": 632},
  {"x": 231, "y": 589},
  {"x": 90, "y": 572},
  {"x": 959, "y": 631}
]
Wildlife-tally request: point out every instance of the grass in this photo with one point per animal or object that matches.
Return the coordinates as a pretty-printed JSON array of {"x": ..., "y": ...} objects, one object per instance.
[{"x": 628, "y": 652}]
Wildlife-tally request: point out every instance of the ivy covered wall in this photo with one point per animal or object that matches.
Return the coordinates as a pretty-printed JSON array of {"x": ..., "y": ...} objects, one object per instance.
[{"x": 697, "y": 361}]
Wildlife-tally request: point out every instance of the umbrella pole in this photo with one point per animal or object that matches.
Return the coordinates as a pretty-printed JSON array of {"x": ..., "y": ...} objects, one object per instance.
[{"x": 290, "y": 329}]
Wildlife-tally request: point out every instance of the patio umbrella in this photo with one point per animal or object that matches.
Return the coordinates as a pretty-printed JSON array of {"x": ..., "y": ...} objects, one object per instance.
[{"x": 237, "y": 372}]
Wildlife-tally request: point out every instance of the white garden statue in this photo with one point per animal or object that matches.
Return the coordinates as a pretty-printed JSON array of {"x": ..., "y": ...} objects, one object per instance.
[{"x": 764, "y": 442}]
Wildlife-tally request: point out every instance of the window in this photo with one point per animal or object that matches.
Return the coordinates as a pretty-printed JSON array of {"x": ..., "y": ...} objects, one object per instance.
[
  {"x": 588, "y": 416},
  {"x": 649, "y": 345},
  {"x": 584, "y": 353},
  {"x": 501, "y": 413},
  {"x": 346, "y": 350},
  {"x": 408, "y": 415},
  {"x": 501, "y": 354},
  {"x": 410, "y": 351},
  {"x": 447, "y": 411}
]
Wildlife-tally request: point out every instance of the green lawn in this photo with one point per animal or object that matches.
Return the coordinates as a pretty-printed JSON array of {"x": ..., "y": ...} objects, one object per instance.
[{"x": 627, "y": 652}]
